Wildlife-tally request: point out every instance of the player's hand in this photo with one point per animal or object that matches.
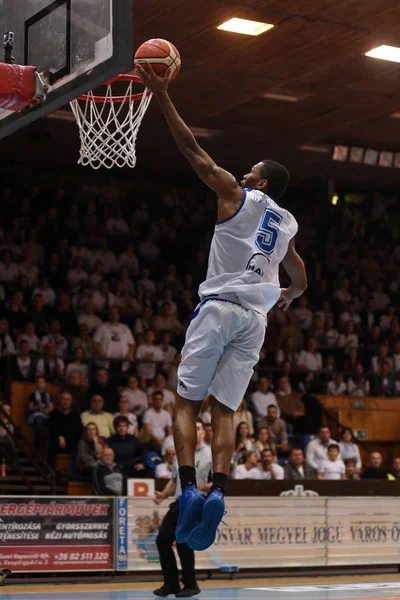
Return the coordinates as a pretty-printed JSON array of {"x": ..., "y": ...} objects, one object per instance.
[
  {"x": 153, "y": 82},
  {"x": 158, "y": 498},
  {"x": 285, "y": 299}
]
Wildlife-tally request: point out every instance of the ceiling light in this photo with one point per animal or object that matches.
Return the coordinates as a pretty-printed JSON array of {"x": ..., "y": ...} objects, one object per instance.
[
  {"x": 385, "y": 53},
  {"x": 315, "y": 148},
  {"x": 245, "y": 26}
]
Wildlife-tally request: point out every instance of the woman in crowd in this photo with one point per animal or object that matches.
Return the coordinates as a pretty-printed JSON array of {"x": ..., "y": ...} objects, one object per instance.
[
  {"x": 90, "y": 449},
  {"x": 348, "y": 449}
]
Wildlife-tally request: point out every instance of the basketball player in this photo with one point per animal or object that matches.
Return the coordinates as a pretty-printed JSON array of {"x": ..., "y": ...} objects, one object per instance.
[{"x": 253, "y": 235}]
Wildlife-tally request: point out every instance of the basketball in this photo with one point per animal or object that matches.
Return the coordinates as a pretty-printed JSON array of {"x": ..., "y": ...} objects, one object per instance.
[{"x": 161, "y": 54}]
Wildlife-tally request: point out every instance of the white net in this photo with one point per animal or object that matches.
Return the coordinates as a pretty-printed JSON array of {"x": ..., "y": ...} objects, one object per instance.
[{"x": 109, "y": 126}]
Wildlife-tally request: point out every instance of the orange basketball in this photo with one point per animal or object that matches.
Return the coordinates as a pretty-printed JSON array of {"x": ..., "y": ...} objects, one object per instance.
[{"x": 161, "y": 55}]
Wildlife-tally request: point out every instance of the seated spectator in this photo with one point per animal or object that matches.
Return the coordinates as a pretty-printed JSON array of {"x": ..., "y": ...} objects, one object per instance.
[
  {"x": 16, "y": 312},
  {"x": 396, "y": 357},
  {"x": 123, "y": 407},
  {"x": 28, "y": 269},
  {"x": 382, "y": 300},
  {"x": 297, "y": 468},
  {"x": 332, "y": 334},
  {"x": 167, "y": 443},
  {"x": 97, "y": 276},
  {"x": 373, "y": 339},
  {"x": 164, "y": 469},
  {"x": 342, "y": 294},
  {"x": 78, "y": 365},
  {"x": 160, "y": 385},
  {"x": 38, "y": 315},
  {"x": 83, "y": 341},
  {"x": 40, "y": 404},
  {"x": 242, "y": 442},
  {"x": 290, "y": 404},
  {"x": 77, "y": 388},
  {"x": 208, "y": 429},
  {"x": 47, "y": 292},
  {"x": 386, "y": 319},
  {"x": 77, "y": 276},
  {"x": 129, "y": 451},
  {"x": 8, "y": 268},
  {"x": 157, "y": 422},
  {"x": 103, "y": 298},
  {"x": 168, "y": 352},
  {"x": 358, "y": 385},
  {"x": 310, "y": 359},
  {"x": 394, "y": 472},
  {"x": 249, "y": 469},
  {"x": 166, "y": 321},
  {"x": 65, "y": 429},
  {"x": 352, "y": 361},
  {"x": 58, "y": 340},
  {"x": 317, "y": 331},
  {"x": 96, "y": 414},
  {"x": 243, "y": 415},
  {"x": 287, "y": 353},
  {"x": 268, "y": 468},
  {"x": 147, "y": 283},
  {"x": 348, "y": 449},
  {"x": 375, "y": 471},
  {"x": 263, "y": 398},
  {"x": 106, "y": 256},
  {"x": 89, "y": 318},
  {"x": 137, "y": 399},
  {"x": 348, "y": 338},
  {"x": 393, "y": 335},
  {"x": 30, "y": 337},
  {"x": 108, "y": 478},
  {"x": 277, "y": 429},
  {"x": 264, "y": 441},
  {"x": 6, "y": 442},
  {"x": 106, "y": 389},
  {"x": 332, "y": 468},
  {"x": 383, "y": 384},
  {"x": 337, "y": 386},
  {"x": 22, "y": 366},
  {"x": 317, "y": 450},
  {"x": 309, "y": 383},
  {"x": 351, "y": 316},
  {"x": 51, "y": 366},
  {"x": 114, "y": 341},
  {"x": 290, "y": 329},
  {"x": 90, "y": 449},
  {"x": 378, "y": 361},
  {"x": 302, "y": 315},
  {"x": 148, "y": 357},
  {"x": 351, "y": 472},
  {"x": 129, "y": 260},
  {"x": 7, "y": 347}
]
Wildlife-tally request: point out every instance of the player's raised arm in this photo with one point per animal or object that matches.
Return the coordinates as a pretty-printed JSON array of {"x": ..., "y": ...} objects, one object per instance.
[
  {"x": 219, "y": 180},
  {"x": 294, "y": 266}
]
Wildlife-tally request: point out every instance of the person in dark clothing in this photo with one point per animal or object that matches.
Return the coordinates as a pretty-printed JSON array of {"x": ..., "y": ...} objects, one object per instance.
[
  {"x": 108, "y": 477},
  {"x": 63, "y": 313},
  {"x": 65, "y": 429},
  {"x": 74, "y": 387},
  {"x": 38, "y": 315},
  {"x": 106, "y": 389},
  {"x": 374, "y": 471},
  {"x": 22, "y": 366},
  {"x": 40, "y": 404},
  {"x": 129, "y": 451}
]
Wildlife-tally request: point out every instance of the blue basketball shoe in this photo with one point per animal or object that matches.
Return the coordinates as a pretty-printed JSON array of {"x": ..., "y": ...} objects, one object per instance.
[
  {"x": 203, "y": 535},
  {"x": 190, "y": 507}
]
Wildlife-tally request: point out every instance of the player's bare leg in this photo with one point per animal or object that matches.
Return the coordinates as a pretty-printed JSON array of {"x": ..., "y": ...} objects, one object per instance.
[
  {"x": 185, "y": 436},
  {"x": 203, "y": 535}
]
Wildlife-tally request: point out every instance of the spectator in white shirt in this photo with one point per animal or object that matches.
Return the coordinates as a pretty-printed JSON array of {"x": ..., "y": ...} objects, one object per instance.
[
  {"x": 114, "y": 341},
  {"x": 350, "y": 315},
  {"x": 157, "y": 422},
  {"x": 243, "y": 415},
  {"x": 348, "y": 449},
  {"x": 337, "y": 386},
  {"x": 77, "y": 275},
  {"x": 148, "y": 356},
  {"x": 332, "y": 468},
  {"x": 30, "y": 337},
  {"x": 102, "y": 298},
  {"x": 167, "y": 443},
  {"x": 106, "y": 256},
  {"x": 164, "y": 469},
  {"x": 51, "y": 366},
  {"x": 88, "y": 317},
  {"x": 115, "y": 224},
  {"x": 78, "y": 365},
  {"x": 348, "y": 339},
  {"x": 28, "y": 269},
  {"x": 160, "y": 385},
  {"x": 129, "y": 260},
  {"x": 242, "y": 442},
  {"x": 358, "y": 385},
  {"x": 310, "y": 359},
  {"x": 148, "y": 249},
  {"x": 317, "y": 450},
  {"x": 123, "y": 411},
  {"x": 377, "y": 362},
  {"x": 58, "y": 340},
  {"x": 169, "y": 352},
  {"x": 386, "y": 319},
  {"x": 342, "y": 293},
  {"x": 263, "y": 398},
  {"x": 97, "y": 276},
  {"x": 382, "y": 300},
  {"x": 80, "y": 249},
  {"x": 138, "y": 402},
  {"x": 47, "y": 292},
  {"x": 248, "y": 470},
  {"x": 148, "y": 284},
  {"x": 302, "y": 315},
  {"x": 8, "y": 269},
  {"x": 268, "y": 468},
  {"x": 332, "y": 334}
]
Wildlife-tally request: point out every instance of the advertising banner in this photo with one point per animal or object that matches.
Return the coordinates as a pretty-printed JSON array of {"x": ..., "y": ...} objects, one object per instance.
[
  {"x": 56, "y": 534},
  {"x": 265, "y": 532}
]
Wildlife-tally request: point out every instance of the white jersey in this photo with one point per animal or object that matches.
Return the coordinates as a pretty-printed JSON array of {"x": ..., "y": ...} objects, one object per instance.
[{"x": 246, "y": 251}]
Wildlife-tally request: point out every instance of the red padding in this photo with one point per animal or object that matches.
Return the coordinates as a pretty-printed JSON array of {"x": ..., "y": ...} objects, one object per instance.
[{"x": 17, "y": 86}]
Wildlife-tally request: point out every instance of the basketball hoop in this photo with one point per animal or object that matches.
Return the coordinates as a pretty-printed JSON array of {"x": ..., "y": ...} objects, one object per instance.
[{"x": 108, "y": 131}]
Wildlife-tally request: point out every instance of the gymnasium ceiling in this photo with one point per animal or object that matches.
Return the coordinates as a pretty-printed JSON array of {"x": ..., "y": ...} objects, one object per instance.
[{"x": 315, "y": 53}]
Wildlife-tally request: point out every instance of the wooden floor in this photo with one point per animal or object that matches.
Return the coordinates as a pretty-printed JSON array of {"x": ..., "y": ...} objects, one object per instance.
[{"x": 318, "y": 588}]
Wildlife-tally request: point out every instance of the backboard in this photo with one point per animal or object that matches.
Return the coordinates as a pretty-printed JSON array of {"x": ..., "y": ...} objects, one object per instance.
[{"x": 78, "y": 44}]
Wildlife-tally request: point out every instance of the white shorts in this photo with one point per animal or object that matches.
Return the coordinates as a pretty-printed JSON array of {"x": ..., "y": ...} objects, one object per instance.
[{"x": 222, "y": 346}]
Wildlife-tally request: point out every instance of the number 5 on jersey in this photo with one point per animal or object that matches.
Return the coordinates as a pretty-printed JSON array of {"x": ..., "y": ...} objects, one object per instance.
[{"x": 268, "y": 232}]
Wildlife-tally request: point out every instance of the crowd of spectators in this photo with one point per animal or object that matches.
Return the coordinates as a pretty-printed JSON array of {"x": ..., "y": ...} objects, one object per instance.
[{"x": 98, "y": 282}]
